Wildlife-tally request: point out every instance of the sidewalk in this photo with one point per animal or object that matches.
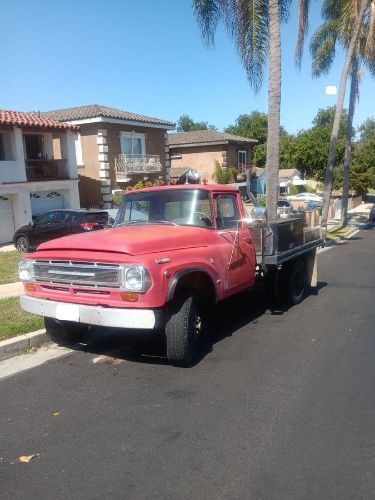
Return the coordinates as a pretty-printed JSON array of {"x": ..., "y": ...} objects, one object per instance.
[
  {"x": 9, "y": 247},
  {"x": 11, "y": 290},
  {"x": 357, "y": 217}
]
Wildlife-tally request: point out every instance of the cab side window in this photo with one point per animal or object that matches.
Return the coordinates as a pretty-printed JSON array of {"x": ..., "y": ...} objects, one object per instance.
[{"x": 226, "y": 211}]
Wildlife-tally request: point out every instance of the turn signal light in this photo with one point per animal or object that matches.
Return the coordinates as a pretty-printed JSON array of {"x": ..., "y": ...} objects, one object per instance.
[
  {"x": 129, "y": 297},
  {"x": 30, "y": 287}
]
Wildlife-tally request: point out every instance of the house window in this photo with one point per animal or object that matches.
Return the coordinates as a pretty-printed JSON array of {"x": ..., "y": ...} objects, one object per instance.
[
  {"x": 242, "y": 155},
  {"x": 34, "y": 146},
  {"x": 132, "y": 144},
  {"x": 175, "y": 155}
]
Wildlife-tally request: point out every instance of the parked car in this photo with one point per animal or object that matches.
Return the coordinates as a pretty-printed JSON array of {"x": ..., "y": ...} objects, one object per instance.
[
  {"x": 57, "y": 223},
  {"x": 306, "y": 197},
  {"x": 284, "y": 207},
  {"x": 371, "y": 215}
]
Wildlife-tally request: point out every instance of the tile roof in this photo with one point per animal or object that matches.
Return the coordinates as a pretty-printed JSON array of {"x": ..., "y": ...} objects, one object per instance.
[
  {"x": 178, "y": 171},
  {"x": 22, "y": 119},
  {"x": 99, "y": 111},
  {"x": 201, "y": 137}
]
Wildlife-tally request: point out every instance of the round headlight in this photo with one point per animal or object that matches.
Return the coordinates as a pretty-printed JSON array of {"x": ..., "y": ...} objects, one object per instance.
[
  {"x": 134, "y": 278},
  {"x": 26, "y": 270}
]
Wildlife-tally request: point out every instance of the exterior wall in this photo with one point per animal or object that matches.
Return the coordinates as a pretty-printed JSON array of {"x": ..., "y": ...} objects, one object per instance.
[
  {"x": 100, "y": 145},
  {"x": 232, "y": 154},
  {"x": 154, "y": 144},
  {"x": 201, "y": 158},
  {"x": 89, "y": 180},
  {"x": 14, "y": 169}
]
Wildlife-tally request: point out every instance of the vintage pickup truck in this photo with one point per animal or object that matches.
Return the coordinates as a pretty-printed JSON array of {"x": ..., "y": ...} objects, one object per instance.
[{"x": 174, "y": 250}]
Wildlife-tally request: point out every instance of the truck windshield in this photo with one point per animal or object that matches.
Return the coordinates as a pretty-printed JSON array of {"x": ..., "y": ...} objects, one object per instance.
[{"x": 181, "y": 206}]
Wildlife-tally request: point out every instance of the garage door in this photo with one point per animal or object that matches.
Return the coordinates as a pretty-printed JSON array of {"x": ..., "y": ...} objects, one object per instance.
[
  {"x": 6, "y": 220},
  {"x": 42, "y": 202}
]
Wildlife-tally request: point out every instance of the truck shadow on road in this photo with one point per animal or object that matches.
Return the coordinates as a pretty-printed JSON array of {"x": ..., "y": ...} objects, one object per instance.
[{"x": 223, "y": 321}]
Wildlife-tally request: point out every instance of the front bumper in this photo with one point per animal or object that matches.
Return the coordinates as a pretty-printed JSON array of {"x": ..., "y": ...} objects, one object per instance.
[{"x": 143, "y": 319}]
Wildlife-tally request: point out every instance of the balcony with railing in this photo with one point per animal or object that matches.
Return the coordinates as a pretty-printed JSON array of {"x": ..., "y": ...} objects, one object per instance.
[
  {"x": 45, "y": 170},
  {"x": 136, "y": 164}
]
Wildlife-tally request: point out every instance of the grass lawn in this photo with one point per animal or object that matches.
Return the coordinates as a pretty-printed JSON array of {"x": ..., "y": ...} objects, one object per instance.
[
  {"x": 335, "y": 233},
  {"x": 14, "y": 321},
  {"x": 9, "y": 267}
]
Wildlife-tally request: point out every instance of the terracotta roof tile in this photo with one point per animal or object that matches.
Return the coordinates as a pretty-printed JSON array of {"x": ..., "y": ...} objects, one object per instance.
[
  {"x": 22, "y": 119},
  {"x": 201, "y": 137},
  {"x": 97, "y": 111}
]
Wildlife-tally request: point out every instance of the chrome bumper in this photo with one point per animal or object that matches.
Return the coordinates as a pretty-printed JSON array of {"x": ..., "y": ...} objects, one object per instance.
[{"x": 143, "y": 319}]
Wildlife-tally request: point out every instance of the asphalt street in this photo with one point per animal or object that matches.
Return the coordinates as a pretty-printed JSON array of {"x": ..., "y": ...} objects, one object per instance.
[{"x": 280, "y": 406}]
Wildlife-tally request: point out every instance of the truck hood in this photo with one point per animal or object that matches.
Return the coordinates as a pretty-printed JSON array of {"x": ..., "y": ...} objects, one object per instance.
[{"x": 132, "y": 240}]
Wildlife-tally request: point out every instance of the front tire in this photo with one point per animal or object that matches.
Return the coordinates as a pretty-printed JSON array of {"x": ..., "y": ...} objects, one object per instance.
[
  {"x": 183, "y": 330},
  {"x": 64, "y": 332},
  {"x": 23, "y": 243}
]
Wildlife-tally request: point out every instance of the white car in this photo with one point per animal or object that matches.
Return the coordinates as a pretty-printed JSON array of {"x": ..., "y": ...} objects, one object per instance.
[{"x": 306, "y": 197}]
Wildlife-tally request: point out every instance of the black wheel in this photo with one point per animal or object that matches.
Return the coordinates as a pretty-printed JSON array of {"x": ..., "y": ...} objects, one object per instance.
[
  {"x": 23, "y": 243},
  {"x": 64, "y": 332},
  {"x": 293, "y": 282},
  {"x": 183, "y": 331}
]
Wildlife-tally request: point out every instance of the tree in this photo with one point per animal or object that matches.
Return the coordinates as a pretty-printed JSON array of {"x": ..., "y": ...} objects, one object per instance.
[
  {"x": 367, "y": 129},
  {"x": 254, "y": 126},
  {"x": 311, "y": 146},
  {"x": 340, "y": 17},
  {"x": 223, "y": 175},
  {"x": 343, "y": 22},
  {"x": 255, "y": 28},
  {"x": 187, "y": 124}
]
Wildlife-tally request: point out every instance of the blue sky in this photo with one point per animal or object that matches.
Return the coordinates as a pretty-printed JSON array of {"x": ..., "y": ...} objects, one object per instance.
[{"x": 148, "y": 57}]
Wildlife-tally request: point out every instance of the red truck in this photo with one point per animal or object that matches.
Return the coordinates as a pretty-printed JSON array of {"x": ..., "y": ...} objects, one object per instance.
[{"x": 174, "y": 251}]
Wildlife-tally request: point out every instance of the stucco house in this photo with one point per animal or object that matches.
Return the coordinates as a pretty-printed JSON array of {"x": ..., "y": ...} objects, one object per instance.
[
  {"x": 38, "y": 169},
  {"x": 115, "y": 148},
  {"x": 200, "y": 148}
]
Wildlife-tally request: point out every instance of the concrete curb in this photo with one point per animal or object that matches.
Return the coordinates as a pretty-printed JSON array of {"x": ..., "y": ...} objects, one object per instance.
[{"x": 15, "y": 345}]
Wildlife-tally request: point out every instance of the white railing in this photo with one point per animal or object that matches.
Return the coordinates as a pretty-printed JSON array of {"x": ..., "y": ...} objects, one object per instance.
[{"x": 136, "y": 164}]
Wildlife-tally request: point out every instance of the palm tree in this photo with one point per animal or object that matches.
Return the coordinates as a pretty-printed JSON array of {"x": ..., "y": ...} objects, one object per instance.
[
  {"x": 340, "y": 17},
  {"x": 347, "y": 30},
  {"x": 255, "y": 27}
]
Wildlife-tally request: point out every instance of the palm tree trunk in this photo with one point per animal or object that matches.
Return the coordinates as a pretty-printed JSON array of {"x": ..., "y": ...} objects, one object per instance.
[
  {"x": 339, "y": 106},
  {"x": 348, "y": 146},
  {"x": 274, "y": 98}
]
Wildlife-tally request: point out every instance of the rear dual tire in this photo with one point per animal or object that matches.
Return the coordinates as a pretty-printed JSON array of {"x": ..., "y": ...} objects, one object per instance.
[{"x": 286, "y": 286}]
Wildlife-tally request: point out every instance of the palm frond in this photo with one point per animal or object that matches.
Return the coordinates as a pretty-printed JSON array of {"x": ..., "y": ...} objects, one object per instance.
[
  {"x": 303, "y": 14},
  {"x": 247, "y": 24},
  {"x": 323, "y": 47},
  {"x": 207, "y": 13}
]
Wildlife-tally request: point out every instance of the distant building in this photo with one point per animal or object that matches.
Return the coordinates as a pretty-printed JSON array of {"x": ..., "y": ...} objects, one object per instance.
[{"x": 200, "y": 148}]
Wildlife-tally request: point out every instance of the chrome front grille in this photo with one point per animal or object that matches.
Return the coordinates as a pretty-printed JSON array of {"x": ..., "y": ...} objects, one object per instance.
[{"x": 93, "y": 274}]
